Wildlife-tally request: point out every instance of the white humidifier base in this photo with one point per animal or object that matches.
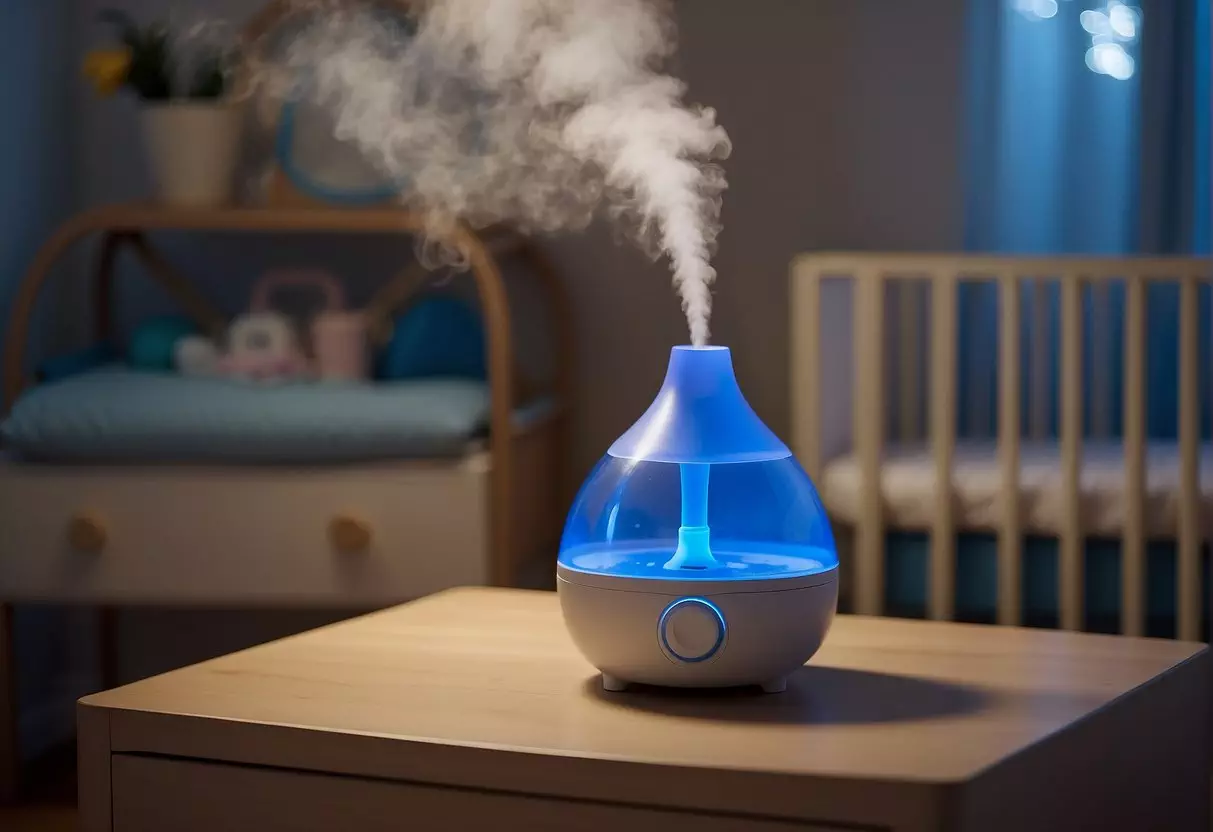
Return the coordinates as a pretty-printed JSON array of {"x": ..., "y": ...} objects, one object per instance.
[{"x": 676, "y": 633}]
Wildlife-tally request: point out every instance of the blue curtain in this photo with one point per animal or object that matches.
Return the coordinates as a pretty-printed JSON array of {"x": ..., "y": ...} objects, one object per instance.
[
  {"x": 35, "y": 196},
  {"x": 1053, "y": 146},
  {"x": 1065, "y": 158}
]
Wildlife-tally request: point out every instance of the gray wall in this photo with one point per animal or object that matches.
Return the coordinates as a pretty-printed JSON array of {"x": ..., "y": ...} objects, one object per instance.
[{"x": 845, "y": 118}]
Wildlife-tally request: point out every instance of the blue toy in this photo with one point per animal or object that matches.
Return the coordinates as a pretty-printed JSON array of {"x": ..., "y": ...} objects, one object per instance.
[
  {"x": 698, "y": 554},
  {"x": 153, "y": 341},
  {"x": 439, "y": 335}
]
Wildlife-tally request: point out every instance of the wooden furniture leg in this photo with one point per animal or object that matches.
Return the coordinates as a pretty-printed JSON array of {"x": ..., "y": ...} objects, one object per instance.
[
  {"x": 495, "y": 306},
  {"x": 95, "y": 811},
  {"x": 107, "y": 257},
  {"x": 164, "y": 273},
  {"x": 10, "y": 752}
]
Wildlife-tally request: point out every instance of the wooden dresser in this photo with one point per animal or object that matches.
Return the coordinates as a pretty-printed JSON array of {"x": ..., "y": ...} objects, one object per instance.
[{"x": 471, "y": 709}]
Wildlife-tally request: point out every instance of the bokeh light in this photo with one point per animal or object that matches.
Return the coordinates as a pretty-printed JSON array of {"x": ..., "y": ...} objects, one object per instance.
[{"x": 1114, "y": 27}]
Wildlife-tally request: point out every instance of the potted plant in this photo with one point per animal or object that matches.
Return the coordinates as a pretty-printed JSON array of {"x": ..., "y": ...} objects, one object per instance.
[{"x": 191, "y": 129}]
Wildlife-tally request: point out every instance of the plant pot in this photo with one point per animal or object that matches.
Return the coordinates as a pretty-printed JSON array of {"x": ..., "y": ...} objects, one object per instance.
[{"x": 193, "y": 148}]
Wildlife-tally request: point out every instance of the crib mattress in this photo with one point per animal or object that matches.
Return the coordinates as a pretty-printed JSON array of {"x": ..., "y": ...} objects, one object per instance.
[{"x": 908, "y": 487}]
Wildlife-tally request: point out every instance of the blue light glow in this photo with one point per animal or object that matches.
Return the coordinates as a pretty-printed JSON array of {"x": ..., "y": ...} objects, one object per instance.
[
  {"x": 722, "y": 628},
  {"x": 694, "y": 537},
  {"x": 734, "y": 561},
  {"x": 699, "y": 489}
]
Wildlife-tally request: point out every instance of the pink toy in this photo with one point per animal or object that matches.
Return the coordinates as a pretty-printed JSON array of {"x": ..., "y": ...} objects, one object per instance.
[{"x": 339, "y": 336}]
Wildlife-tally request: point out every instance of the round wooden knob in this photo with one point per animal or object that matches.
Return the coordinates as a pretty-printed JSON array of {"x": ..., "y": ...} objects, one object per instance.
[
  {"x": 86, "y": 532},
  {"x": 349, "y": 534}
]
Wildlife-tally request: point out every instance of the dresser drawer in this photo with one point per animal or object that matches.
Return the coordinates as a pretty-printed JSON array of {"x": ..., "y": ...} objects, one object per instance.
[
  {"x": 364, "y": 535},
  {"x": 156, "y": 794}
]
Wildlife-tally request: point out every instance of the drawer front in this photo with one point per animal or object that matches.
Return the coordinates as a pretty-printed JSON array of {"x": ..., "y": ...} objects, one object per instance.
[
  {"x": 156, "y": 794},
  {"x": 342, "y": 536}
]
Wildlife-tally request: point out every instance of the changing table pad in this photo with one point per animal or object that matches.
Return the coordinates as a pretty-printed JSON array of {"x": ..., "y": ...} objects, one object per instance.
[{"x": 115, "y": 414}]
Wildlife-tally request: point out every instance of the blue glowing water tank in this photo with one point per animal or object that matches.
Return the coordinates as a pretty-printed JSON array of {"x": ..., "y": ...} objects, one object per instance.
[{"x": 698, "y": 489}]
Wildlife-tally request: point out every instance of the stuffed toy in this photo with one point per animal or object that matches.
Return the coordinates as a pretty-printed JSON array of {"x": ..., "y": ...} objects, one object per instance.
[
  {"x": 265, "y": 345},
  {"x": 259, "y": 346}
]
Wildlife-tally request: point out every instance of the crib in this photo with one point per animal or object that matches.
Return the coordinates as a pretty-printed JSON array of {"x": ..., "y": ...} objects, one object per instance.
[{"x": 881, "y": 390}]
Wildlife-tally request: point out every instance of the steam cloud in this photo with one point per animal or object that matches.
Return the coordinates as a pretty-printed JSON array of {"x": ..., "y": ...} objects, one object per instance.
[{"x": 537, "y": 112}]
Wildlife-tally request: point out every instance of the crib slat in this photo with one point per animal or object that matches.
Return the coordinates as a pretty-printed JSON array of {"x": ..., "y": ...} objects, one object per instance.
[
  {"x": 909, "y": 375},
  {"x": 943, "y": 438},
  {"x": 1038, "y": 373},
  {"x": 1071, "y": 573},
  {"x": 1101, "y": 374},
  {"x": 1189, "y": 585},
  {"x": 868, "y": 429},
  {"x": 806, "y": 367},
  {"x": 1133, "y": 547},
  {"x": 1010, "y": 534}
]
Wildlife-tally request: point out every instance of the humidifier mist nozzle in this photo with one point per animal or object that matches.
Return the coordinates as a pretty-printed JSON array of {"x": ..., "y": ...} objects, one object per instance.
[{"x": 699, "y": 417}]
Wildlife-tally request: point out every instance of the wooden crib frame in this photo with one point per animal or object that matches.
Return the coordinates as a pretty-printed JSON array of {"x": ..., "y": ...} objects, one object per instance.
[{"x": 896, "y": 289}]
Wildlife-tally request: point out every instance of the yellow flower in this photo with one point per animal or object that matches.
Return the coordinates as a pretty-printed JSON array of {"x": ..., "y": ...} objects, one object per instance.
[{"x": 107, "y": 69}]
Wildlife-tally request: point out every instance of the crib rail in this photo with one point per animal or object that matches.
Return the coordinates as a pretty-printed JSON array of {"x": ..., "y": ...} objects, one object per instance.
[{"x": 890, "y": 297}]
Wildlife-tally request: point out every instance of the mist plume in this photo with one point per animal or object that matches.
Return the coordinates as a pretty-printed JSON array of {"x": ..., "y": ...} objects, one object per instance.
[{"x": 537, "y": 112}]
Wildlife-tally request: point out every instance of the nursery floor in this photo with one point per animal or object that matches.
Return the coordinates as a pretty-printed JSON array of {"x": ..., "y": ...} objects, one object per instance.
[{"x": 49, "y": 803}]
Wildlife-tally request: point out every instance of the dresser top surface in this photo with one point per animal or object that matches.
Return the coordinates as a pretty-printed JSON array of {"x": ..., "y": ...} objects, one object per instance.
[{"x": 482, "y": 679}]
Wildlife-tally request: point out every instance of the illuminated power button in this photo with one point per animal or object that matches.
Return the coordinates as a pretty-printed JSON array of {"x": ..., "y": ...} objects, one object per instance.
[{"x": 691, "y": 630}]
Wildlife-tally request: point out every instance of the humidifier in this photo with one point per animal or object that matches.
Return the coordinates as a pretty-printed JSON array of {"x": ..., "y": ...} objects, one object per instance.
[{"x": 697, "y": 553}]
